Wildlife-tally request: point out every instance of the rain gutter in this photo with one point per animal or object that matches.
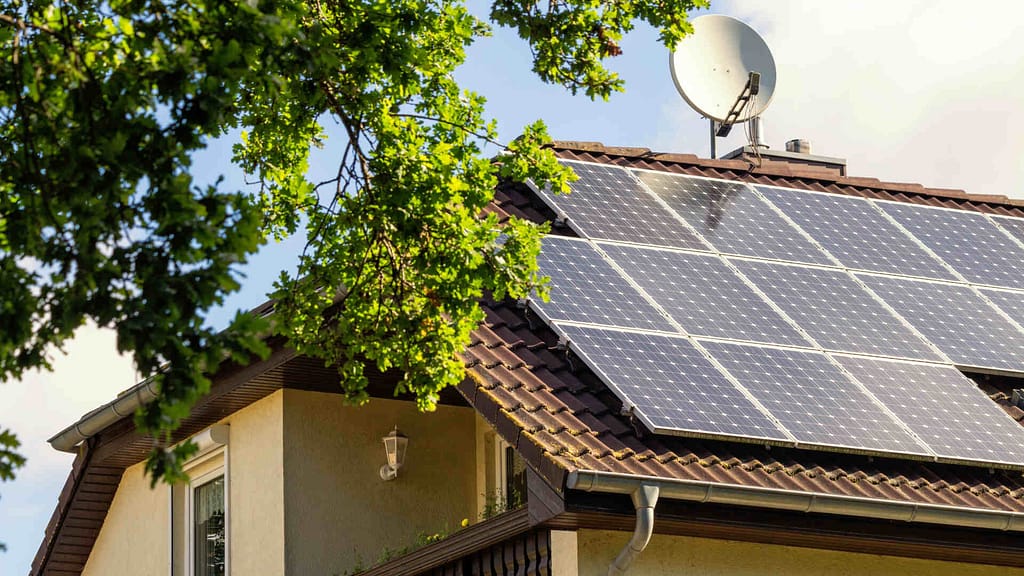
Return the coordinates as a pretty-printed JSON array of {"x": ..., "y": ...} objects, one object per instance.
[
  {"x": 779, "y": 499},
  {"x": 68, "y": 439}
]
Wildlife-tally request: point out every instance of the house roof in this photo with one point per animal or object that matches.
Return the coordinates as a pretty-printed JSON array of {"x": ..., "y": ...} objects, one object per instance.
[
  {"x": 557, "y": 413},
  {"x": 563, "y": 419}
]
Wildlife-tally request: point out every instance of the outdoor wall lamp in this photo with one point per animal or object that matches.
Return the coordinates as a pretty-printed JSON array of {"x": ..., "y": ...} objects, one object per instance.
[{"x": 395, "y": 444}]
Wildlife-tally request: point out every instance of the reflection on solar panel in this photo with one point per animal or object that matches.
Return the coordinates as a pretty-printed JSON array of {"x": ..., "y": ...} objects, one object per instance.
[
  {"x": 586, "y": 288},
  {"x": 813, "y": 399},
  {"x": 608, "y": 202},
  {"x": 703, "y": 295},
  {"x": 732, "y": 217},
  {"x": 855, "y": 233},
  {"x": 956, "y": 319},
  {"x": 967, "y": 241},
  {"x": 836, "y": 311},
  {"x": 672, "y": 385},
  {"x": 943, "y": 408}
]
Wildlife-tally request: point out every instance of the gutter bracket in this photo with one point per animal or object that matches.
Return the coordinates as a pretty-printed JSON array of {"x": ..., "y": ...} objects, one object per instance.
[{"x": 645, "y": 498}]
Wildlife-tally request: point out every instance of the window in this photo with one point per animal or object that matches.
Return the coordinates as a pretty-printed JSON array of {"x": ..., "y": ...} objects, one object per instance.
[
  {"x": 515, "y": 479},
  {"x": 200, "y": 510},
  {"x": 208, "y": 526}
]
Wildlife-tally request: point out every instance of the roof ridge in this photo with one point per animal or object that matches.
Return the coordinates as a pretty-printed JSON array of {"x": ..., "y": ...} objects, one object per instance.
[{"x": 801, "y": 172}]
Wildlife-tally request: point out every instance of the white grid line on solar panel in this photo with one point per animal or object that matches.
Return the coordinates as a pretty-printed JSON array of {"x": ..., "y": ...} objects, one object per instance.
[
  {"x": 968, "y": 241},
  {"x": 954, "y": 318},
  {"x": 587, "y": 287},
  {"x": 943, "y": 408},
  {"x": 836, "y": 310},
  {"x": 856, "y": 234},
  {"x": 1009, "y": 302},
  {"x": 814, "y": 399},
  {"x": 732, "y": 217},
  {"x": 609, "y": 202},
  {"x": 703, "y": 294},
  {"x": 671, "y": 384},
  {"x": 1012, "y": 226}
]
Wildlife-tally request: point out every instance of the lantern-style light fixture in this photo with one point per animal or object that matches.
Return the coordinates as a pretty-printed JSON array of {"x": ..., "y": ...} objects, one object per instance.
[{"x": 395, "y": 444}]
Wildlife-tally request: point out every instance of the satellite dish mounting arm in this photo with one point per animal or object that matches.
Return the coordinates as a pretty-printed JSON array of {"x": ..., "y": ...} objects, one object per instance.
[{"x": 749, "y": 91}]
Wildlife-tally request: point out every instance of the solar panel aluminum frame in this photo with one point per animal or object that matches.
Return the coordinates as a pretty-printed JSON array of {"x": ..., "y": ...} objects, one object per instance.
[
  {"x": 755, "y": 193},
  {"x": 628, "y": 408},
  {"x": 563, "y": 219}
]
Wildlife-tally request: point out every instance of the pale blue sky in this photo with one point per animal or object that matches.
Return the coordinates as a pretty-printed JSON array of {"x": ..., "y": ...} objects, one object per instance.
[{"x": 915, "y": 91}]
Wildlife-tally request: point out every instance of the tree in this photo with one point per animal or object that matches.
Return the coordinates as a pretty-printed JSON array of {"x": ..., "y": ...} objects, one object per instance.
[{"x": 103, "y": 103}]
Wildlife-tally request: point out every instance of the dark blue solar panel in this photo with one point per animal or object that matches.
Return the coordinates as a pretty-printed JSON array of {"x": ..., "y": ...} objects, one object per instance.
[
  {"x": 967, "y": 241},
  {"x": 586, "y": 288},
  {"x": 672, "y": 386},
  {"x": 704, "y": 295},
  {"x": 812, "y": 398},
  {"x": 945, "y": 409},
  {"x": 856, "y": 234},
  {"x": 732, "y": 217},
  {"x": 956, "y": 319},
  {"x": 835, "y": 310},
  {"x": 608, "y": 202}
]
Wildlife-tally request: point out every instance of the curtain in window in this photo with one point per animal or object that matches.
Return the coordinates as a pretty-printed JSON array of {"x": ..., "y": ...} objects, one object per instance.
[{"x": 209, "y": 530}]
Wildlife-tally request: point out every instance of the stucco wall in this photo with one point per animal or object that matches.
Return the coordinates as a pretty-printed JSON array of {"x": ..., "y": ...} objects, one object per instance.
[
  {"x": 338, "y": 512},
  {"x": 134, "y": 536},
  {"x": 674, "y": 555},
  {"x": 256, "y": 486}
]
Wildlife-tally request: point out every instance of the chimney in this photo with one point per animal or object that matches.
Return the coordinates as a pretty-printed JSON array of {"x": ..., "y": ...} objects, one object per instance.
[{"x": 797, "y": 152}]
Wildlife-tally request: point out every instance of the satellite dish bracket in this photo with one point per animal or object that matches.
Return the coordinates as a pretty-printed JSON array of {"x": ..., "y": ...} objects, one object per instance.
[{"x": 751, "y": 89}]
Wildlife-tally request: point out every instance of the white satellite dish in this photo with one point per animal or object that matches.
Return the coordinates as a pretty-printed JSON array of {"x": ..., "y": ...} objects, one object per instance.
[{"x": 711, "y": 69}]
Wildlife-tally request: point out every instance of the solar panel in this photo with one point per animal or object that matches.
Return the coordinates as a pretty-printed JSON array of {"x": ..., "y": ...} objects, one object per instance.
[
  {"x": 608, "y": 202},
  {"x": 586, "y": 288},
  {"x": 956, "y": 319},
  {"x": 835, "y": 310},
  {"x": 704, "y": 295},
  {"x": 856, "y": 233},
  {"x": 732, "y": 217},
  {"x": 1015, "y": 226},
  {"x": 671, "y": 385},
  {"x": 943, "y": 408},
  {"x": 1011, "y": 303},
  {"x": 967, "y": 241},
  {"x": 812, "y": 398}
]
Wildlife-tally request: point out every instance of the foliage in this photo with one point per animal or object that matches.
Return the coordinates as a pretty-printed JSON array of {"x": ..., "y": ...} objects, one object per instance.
[{"x": 102, "y": 105}]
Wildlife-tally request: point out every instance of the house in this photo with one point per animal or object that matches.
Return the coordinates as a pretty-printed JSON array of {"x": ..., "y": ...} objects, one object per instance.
[{"x": 289, "y": 480}]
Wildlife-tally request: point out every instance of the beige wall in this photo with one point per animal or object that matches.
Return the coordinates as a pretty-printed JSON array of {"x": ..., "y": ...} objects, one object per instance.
[
  {"x": 674, "y": 555},
  {"x": 256, "y": 485},
  {"x": 134, "y": 537},
  {"x": 338, "y": 512}
]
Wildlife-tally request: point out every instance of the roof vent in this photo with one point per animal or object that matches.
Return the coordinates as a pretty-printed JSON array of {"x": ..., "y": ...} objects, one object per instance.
[{"x": 798, "y": 146}]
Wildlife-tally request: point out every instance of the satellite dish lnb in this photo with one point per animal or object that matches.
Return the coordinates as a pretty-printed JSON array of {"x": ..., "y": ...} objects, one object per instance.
[{"x": 724, "y": 70}]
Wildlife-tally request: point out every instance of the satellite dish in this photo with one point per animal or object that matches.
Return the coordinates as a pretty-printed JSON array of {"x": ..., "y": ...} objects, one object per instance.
[{"x": 711, "y": 68}]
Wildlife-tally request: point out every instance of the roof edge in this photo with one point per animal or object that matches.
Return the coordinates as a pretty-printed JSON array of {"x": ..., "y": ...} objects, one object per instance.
[
  {"x": 781, "y": 170},
  {"x": 811, "y": 502}
]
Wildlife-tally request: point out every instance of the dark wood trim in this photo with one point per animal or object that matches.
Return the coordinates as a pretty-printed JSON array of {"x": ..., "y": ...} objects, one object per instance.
[
  {"x": 787, "y": 528},
  {"x": 123, "y": 433},
  {"x": 542, "y": 501},
  {"x": 462, "y": 543}
]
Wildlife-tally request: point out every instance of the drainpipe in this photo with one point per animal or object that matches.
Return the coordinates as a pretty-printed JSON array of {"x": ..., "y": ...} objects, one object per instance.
[{"x": 645, "y": 497}]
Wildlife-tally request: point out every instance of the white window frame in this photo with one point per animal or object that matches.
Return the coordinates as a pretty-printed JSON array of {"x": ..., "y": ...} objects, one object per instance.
[
  {"x": 213, "y": 445},
  {"x": 194, "y": 483}
]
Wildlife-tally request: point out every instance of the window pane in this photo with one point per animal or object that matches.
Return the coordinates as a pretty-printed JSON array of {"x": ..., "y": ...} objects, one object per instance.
[{"x": 210, "y": 533}]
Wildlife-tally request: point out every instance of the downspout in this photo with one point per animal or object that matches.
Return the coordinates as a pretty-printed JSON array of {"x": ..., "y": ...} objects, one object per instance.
[{"x": 645, "y": 497}]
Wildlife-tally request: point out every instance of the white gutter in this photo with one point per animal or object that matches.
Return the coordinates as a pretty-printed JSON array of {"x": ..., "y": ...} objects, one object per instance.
[
  {"x": 702, "y": 491},
  {"x": 68, "y": 439},
  {"x": 645, "y": 497}
]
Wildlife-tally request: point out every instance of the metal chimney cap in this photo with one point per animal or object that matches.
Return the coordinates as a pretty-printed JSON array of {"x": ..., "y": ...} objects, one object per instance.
[{"x": 798, "y": 146}]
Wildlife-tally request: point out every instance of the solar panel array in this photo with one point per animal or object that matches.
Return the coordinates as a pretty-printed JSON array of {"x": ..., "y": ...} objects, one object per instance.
[{"x": 765, "y": 314}]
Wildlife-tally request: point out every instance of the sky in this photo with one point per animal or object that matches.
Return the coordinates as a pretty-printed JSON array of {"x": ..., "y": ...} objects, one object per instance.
[{"x": 905, "y": 91}]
